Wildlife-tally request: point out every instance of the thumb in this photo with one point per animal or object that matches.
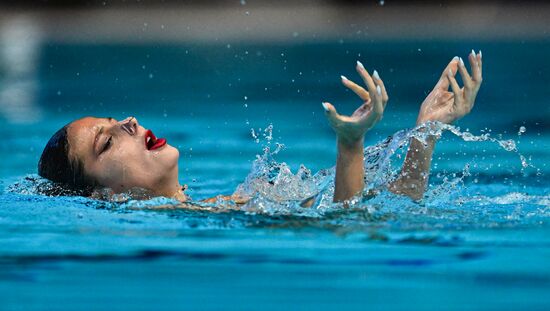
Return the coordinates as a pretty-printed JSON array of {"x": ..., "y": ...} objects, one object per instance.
[{"x": 330, "y": 111}]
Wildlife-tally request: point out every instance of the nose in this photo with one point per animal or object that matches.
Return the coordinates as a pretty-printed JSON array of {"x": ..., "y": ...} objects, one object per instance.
[{"x": 130, "y": 125}]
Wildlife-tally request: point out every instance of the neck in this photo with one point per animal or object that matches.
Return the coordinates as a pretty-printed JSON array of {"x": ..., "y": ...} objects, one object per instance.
[{"x": 170, "y": 187}]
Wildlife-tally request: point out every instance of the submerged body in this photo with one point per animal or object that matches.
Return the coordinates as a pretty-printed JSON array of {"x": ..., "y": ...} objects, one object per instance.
[{"x": 102, "y": 153}]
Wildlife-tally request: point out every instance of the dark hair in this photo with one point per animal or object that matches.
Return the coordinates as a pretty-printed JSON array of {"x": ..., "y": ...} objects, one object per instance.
[{"x": 56, "y": 165}]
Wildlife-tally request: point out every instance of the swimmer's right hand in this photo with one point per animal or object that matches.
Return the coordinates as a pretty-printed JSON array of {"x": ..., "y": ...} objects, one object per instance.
[{"x": 351, "y": 129}]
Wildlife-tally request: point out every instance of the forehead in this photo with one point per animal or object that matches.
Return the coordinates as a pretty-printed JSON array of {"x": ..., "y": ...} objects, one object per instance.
[{"x": 81, "y": 134}]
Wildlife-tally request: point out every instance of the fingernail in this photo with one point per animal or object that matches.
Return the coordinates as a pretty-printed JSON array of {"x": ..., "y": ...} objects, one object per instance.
[
  {"x": 375, "y": 75},
  {"x": 379, "y": 90},
  {"x": 480, "y": 55},
  {"x": 360, "y": 65},
  {"x": 455, "y": 58},
  {"x": 325, "y": 106},
  {"x": 343, "y": 78},
  {"x": 461, "y": 61},
  {"x": 473, "y": 53}
]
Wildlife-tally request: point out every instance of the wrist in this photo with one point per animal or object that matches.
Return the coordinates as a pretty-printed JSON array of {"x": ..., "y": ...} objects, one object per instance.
[
  {"x": 431, "y": 131},
  {"x": 351, "y": 144},
  {"x": 420, "y": 120}
]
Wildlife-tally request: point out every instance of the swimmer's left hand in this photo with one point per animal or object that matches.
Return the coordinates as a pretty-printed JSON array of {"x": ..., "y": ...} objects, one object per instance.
[
  {"x": 447, "y": 107},
  {"x": 351, "y": 129}
]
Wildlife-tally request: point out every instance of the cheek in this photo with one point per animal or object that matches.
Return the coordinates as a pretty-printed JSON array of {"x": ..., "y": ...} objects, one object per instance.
[
  {"x": 113, "y": 173},
  {"x": 118, "y": 170}
]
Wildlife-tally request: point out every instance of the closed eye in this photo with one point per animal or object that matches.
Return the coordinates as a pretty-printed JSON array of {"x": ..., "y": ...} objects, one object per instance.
[{"x": 107, "y": 145}]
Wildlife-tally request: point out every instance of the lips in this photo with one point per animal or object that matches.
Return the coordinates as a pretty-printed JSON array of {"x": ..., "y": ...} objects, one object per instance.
[{"x": 152, "y": 142}]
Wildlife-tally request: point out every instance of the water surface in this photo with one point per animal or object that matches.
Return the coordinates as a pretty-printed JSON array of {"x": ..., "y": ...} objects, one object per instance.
[{"x": 481, "y": 239}]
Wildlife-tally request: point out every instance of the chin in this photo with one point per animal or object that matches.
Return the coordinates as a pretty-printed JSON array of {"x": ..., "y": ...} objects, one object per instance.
[{"x": 172, "y": 154}]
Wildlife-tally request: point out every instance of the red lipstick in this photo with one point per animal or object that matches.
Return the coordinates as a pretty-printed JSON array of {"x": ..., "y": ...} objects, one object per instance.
[{"x": 152, "y": 142}]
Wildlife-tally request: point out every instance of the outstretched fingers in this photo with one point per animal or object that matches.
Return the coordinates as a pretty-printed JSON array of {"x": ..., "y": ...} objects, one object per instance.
[
  {"x": 376, "y": 91},
  {"x": 475, "y": 63},
  {"x": 366, "y": 77},
  {"x": 380, "y": 84},
  {"x": 466, "y": 78},
  {"x": 480, "y": 63},
  {"x": 361, "y": 92}
]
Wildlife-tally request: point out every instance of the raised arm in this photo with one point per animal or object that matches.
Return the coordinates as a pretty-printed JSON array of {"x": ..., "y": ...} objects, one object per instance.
[
  {"x": 350, "y": 132},
  {"x": 443, "y": 106}
]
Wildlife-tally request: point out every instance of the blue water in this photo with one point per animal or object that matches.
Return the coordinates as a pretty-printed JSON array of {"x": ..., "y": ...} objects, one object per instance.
[{"x": 481, "y": 239}]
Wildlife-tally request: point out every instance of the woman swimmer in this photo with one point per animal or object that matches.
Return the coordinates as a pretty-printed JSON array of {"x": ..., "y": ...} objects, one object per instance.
[{"x": 81, "y": 157}]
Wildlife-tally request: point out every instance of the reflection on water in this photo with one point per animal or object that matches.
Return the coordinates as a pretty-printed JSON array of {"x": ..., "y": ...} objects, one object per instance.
[{"x": 20, "y": 41}]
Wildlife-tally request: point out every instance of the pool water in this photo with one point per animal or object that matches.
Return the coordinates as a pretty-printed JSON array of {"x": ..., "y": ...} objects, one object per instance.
[{"x": 249, "y": 117}]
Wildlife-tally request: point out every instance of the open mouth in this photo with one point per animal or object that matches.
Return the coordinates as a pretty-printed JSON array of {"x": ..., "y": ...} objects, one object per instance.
[{"x": 152, "y": 142}]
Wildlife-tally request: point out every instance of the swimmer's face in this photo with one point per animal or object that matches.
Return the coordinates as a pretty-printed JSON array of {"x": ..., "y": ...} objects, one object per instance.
[{"x": 123, "y": 155}]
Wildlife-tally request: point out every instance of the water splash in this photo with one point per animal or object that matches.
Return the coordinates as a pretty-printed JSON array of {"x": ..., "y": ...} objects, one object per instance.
[{"x": 275, "y": 189}]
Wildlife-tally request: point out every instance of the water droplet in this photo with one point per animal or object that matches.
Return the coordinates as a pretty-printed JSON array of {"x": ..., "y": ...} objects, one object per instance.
[
  {"x": 522, "y": 130},
  {"x": 524, "y": 162}
]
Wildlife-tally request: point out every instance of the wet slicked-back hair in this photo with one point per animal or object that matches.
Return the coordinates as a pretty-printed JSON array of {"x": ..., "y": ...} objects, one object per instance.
[{"x": 56, "y": 165}]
